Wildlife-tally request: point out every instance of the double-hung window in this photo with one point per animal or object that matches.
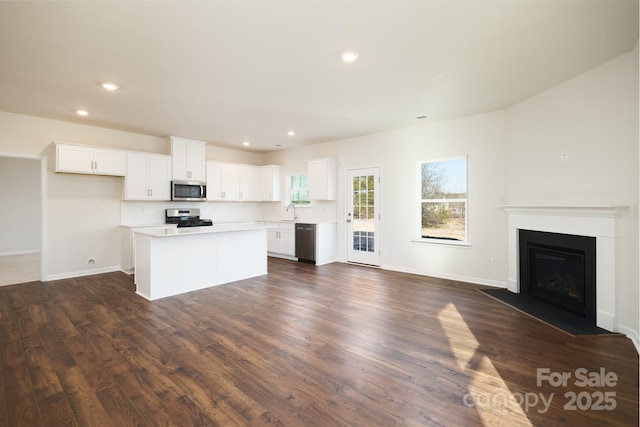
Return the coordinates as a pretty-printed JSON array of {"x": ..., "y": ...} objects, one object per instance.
[
  {"x": 297, "y": 190},
  {"x": 442, "y": 203}
]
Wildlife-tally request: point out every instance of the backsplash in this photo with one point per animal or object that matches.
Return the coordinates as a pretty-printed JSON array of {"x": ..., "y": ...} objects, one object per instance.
[
  {"x": 144, "y": 213},
  {"x": 148, "y": 213}
]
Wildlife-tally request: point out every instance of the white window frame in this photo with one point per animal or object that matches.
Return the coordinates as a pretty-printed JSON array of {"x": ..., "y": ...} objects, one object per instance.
[
  {"x": 433, "y": 240},
  {"x": 288, "y": 190}
]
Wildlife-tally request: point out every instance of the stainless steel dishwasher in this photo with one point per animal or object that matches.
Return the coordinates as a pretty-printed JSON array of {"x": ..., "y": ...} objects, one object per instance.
[{"x": 306, "y": 242}]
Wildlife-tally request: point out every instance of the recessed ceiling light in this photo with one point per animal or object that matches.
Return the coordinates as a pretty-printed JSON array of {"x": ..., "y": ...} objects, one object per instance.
[
  {"x": 82, "y": 112},
  {"x": 350, "y": 56},
  {"x": 246, "y": 143},
  {"x": 110, "y": 86},
  {"x": 291, "y": 133}
]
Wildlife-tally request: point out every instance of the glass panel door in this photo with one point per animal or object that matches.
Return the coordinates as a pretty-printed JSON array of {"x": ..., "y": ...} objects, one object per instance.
[{"x": 363, "y": 219}]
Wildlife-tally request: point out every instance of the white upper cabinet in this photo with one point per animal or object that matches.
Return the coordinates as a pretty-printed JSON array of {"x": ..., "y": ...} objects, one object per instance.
[
  {"x": 249, "y": 183},
  {"x": 223, "y": 181},
  {"x": 270, "y": 182},
  {"x": 246, "y": 183},
  {"x": 188, "y": 159},
  {"x": 321, "y": 176},
  {"x": 89, "y": 160},
  {"x": 148, "y": 177}
]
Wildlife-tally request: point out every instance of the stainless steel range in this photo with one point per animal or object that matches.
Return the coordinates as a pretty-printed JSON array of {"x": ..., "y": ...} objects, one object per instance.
[{"x": 186, "y": 218}]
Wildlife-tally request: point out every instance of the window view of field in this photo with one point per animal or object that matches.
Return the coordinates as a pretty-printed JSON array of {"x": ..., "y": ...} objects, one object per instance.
[
  {"x": 444, "y": 221},
  {"x": 444, "y": 199}
]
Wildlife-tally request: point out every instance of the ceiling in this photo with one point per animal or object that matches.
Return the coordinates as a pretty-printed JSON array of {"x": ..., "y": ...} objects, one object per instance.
[{"x": 231, "y": 71}]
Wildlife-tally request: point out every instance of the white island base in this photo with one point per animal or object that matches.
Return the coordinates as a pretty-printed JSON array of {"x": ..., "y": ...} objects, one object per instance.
[{"x": 174, "y": 261}]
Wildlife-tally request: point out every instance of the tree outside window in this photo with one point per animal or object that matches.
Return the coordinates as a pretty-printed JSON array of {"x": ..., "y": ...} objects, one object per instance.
[
  {"x": 297, "y": 189},
  {"x": 443, "y": 200}
]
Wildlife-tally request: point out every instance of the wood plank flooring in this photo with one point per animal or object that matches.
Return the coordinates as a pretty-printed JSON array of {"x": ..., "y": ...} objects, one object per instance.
[{"x": 336, "y": 345}]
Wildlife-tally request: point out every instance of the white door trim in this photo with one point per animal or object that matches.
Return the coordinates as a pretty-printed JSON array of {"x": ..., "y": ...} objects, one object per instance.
[{"x": 374, "y": 259}]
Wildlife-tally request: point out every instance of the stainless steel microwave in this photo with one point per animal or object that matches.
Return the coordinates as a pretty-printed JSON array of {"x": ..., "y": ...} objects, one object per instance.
[{"x": 188, "y": 191}]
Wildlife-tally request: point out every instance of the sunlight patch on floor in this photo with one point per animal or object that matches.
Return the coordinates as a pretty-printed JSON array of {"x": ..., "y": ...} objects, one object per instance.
[{"x": 486, "y": 392}]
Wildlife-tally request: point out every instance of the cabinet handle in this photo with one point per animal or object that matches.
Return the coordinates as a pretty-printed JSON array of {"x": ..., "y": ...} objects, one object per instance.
[
  {"x": 241, "y": 194},
  {"x": 96, "y": 163}
]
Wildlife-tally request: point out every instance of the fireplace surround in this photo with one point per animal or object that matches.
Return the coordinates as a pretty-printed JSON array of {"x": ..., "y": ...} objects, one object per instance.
[{"x": 599, "y": 222}]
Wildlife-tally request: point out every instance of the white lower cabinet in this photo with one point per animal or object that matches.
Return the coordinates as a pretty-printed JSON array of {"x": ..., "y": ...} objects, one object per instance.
[
  {"x": 128, "y": 245},
  {"x": 281, "y": 241}
]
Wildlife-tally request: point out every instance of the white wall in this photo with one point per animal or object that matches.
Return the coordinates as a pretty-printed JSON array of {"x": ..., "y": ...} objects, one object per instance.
[
  {"x": 398, "y": 153},
  {"x": 593, "y": 118},
  {"x": 514, "y": 158},
  {"x": 21, "y": 204},
  {"x": 83, "y": 211}
]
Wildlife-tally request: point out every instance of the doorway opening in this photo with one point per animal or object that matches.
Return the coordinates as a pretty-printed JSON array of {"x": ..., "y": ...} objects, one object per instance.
[{"x": 22, "y": 189}]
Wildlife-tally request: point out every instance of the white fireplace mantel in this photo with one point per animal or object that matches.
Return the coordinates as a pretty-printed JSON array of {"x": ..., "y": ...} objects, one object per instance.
[{"x": 594, "y": 221}]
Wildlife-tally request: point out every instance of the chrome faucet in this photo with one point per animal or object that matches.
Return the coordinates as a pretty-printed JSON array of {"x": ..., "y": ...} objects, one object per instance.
[{"x": 291, "y": 205}]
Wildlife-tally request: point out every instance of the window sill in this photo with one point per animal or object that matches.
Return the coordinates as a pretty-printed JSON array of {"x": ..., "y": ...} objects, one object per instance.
[{"x": 441, "y": 242}]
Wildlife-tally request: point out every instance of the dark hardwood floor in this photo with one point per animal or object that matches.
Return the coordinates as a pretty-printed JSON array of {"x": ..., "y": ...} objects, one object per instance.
[{"x": 337, "y": 345}]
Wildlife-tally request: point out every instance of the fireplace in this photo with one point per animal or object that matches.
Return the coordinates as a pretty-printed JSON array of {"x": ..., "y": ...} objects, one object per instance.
[
  {"x": 599, "y": 222},
  {"x": 559, "y": 270}
]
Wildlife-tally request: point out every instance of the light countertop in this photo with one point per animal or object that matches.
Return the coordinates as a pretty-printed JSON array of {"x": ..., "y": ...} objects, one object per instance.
[{"x": 216, "y": 228}]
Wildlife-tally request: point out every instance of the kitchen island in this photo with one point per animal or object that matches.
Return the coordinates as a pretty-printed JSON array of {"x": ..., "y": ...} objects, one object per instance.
[{"x": 172, "y": 261}]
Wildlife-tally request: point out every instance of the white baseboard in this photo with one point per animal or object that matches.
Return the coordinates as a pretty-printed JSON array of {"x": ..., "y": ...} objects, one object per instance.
[
  {"x": 15, "y": 253},
  {"x": 73, "y": 274},
  {"x": 276, "y": 255},
  {"x": 632, "y": 335},
  {"x": 457, "y": 278}
]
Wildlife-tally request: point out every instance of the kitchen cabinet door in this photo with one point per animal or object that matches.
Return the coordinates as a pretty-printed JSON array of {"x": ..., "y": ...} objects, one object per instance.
[
  {"x": 136, "y": 185},
  {"x": 273, "y": 240},
  {"x": 222, "y": 181},
  {"x": 281, "y": 240},
  {"x": 159, "y": 177},
  {"x": 287, "y": 242},
  {"x": 148, "y": 177},
  {"x": 89, "y": 160},
  {"x": 321, "y": 176},
  {"x": 249, "y": 183},
  {"x": 188, "y": 162},
  {"x": 229, "y": 182},
  {"x": 74, "y": 158},
  {"x": 270, "y": 182},
  {"x": 109, "y": 162}
]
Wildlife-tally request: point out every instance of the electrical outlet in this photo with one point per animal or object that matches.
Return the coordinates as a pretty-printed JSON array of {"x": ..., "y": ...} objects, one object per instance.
[
  {"x": 494, "y": 261},
  {"x": 564, "y": 156}
]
